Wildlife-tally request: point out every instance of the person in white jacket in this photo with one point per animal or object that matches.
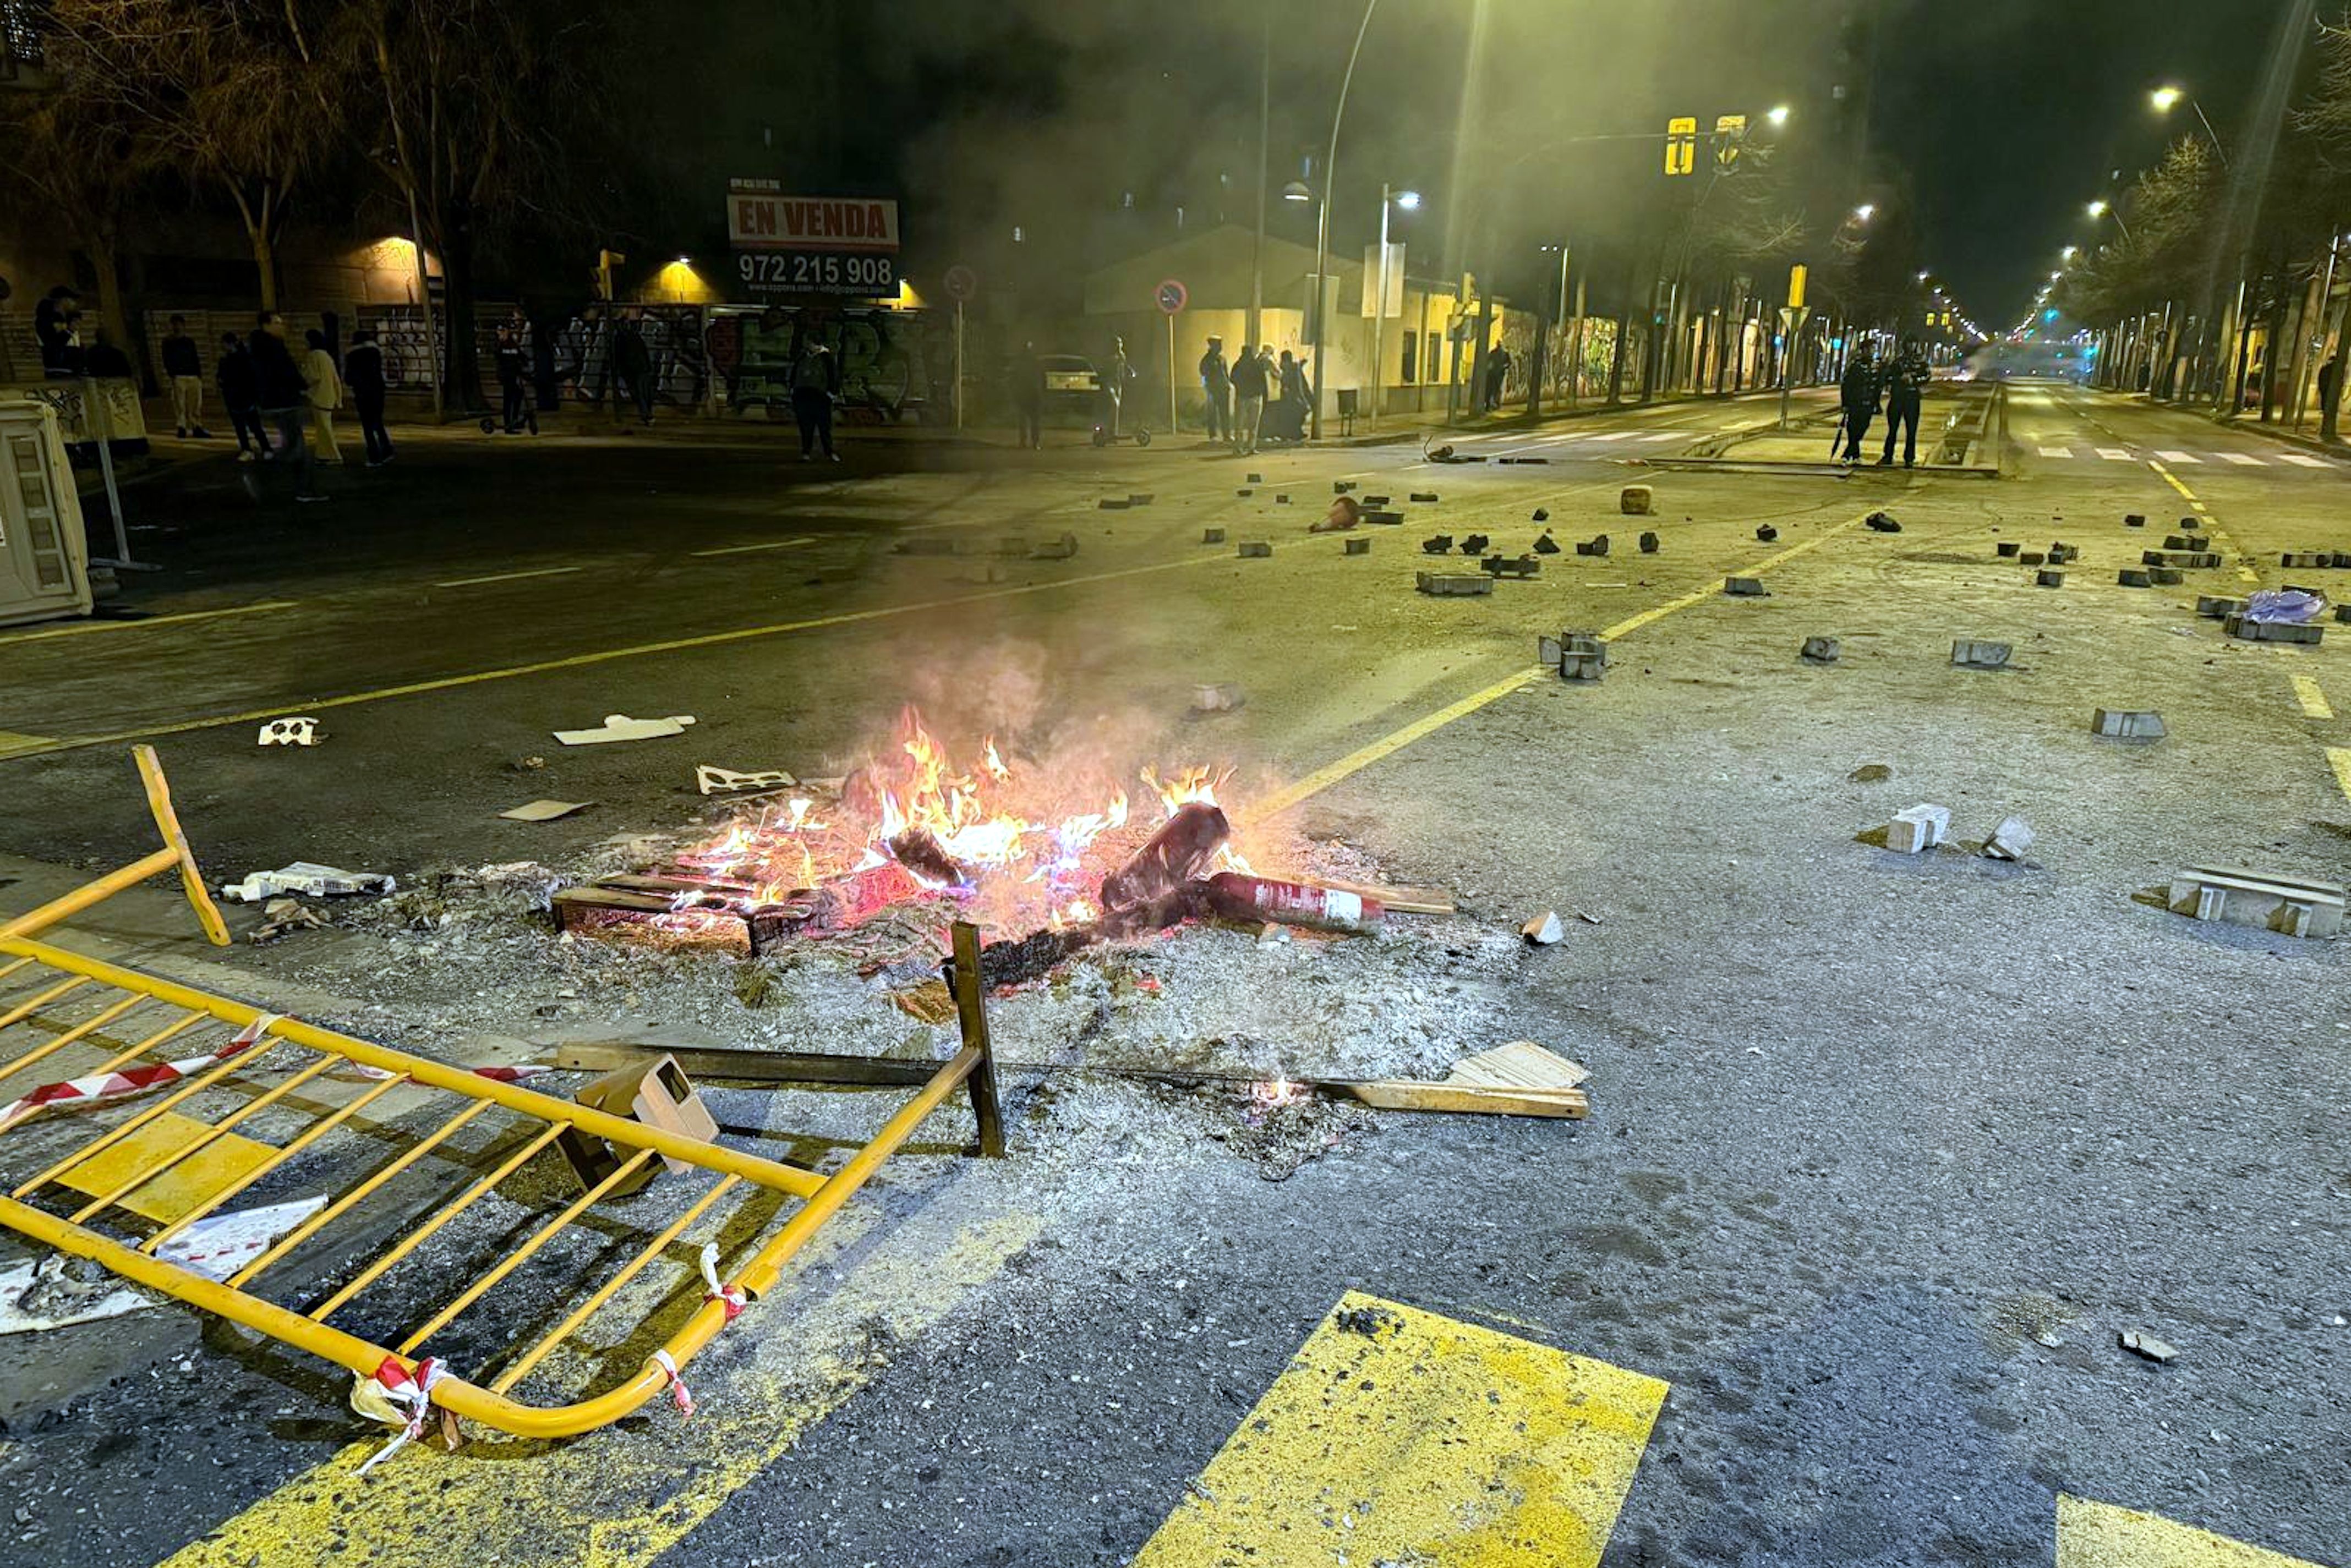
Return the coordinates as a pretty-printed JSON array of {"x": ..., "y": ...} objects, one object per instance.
[{"x": 325, "y": 394}]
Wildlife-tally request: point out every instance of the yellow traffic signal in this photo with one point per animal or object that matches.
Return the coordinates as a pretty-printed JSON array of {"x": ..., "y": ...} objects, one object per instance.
[
  {"x": 1730, "y": 136},
  {"x": 1797, "y": 275},
  {"x": 1681, "y": 144}
]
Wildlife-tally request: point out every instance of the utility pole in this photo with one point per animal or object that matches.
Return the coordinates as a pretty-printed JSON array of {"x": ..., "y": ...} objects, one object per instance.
[
  {"x": 1322, "y": 296},
  {"x": 1257, "y": 258}
]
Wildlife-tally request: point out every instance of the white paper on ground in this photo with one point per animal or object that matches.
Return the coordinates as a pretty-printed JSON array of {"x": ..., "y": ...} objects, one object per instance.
[
  {"x": 16, "y": 1281},
  {"x": 305, "y": 877},
  {"x": 546, "y": 810},
  {"x": 620, "y": 727},
  {"x": 220, "y": 1244}
]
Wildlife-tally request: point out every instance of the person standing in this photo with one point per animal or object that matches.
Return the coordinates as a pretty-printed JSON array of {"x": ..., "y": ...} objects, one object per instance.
[
  {"x": 1498, "y": 374},
  {"x": 1249, "y": 400},
  {"x": 514, "y": 391},
  {"x": 1857, "y": 397},
  {"x": 186, "y": 371},
  {"x": 324, "y": 393},
  {"x": 2330, "y": 395},
  {"x": 1028, "y": 395},
  {"x": 279, "y": 394},
  {"x": 363, "y": 374},
  {"x": 238, "y": 392},
  {"x": 816, "y": 382},
  {"x": 1905, "y": 391},
  {"x": 1217, "y": 389},
  {"x": 54, "y": 321},
  {"x": 1114, "y": 385},
  {"x": 633, "y": 361}
]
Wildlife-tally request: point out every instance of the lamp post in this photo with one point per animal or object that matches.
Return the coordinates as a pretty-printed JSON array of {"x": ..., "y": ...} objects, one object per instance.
[
  {"x": 2166, "y": 99},
  {"x": 1410, "y": 201},
  {"x": 2104, "y": 209},
  {"x": 1319, "y": 377}
]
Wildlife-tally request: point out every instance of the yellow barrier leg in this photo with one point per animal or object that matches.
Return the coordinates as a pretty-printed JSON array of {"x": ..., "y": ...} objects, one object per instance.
[{"x": 158, "y": 801}]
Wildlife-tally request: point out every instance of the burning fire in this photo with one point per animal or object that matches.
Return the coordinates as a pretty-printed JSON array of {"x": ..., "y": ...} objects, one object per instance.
[{"x": 1027, "y": 846}]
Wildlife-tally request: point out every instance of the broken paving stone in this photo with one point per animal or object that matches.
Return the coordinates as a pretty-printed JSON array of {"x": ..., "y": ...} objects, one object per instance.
[
  {"x": 1649, "y": 543},
  {"x": 1636, "y": 501},
  {"x": 2009, "y": 841},
  {"x": 1821, "y": 650},
  {"x": 2128, "y": 724},
  {"x": 1980, "y": 655},
  {"x": 1871, "y": 772},
  {"x": 1544, "y": 931},
  {"x": 2149, "y": 1346},
  {"x": 1921, "y": 828},
  {"x": 1212, "y": 535},
  {"x": 1454, "y": 584},
  {"x": 1744, "y": 588},
  {"x": 1766, "y": 532},
  {"x": 1255, "y": 550}
]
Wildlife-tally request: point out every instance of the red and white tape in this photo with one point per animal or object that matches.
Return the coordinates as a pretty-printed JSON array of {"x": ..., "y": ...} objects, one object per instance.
[
  {"x": 125, "y": 1081},
  {"x": 398, "y": 1398},
  {"x": 677, "y": 1389},
  {"x": 734, "y": 1298}
]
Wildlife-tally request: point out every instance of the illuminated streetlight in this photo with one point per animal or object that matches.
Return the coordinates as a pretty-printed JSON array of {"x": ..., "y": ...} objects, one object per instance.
[
  {"x": 2097, "y": 208},
  {"x": 2070, "y": 252},
  {"x": 1865, "y": 212},
  {"x": 1299, "y": 191},
  {"x": 2166, "y": 99},
  {"x": 1779, "y": 115},
  {"x": 1409, "y": 199}
]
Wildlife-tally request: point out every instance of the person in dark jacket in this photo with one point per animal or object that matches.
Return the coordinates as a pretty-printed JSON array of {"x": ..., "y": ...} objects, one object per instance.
[
  {"x": 106, "y": 358},
  {"x": 514, "y": 368},
  {"x": 186, "y": 372},
  {"x": 1249, "y": 400},
  {"x": 816, "y": 382},
  {"x": 1498, "y": 374},
  {"x": 1905, "y": 391},
  {"x": 238, "y": 392},
  {"x": 1217, "y": 389},
  {"x": 633, "y": 361},
  {"x": 363, "y": 374},
  {"x": 54, "y": 326},
  {"x": 281, "y": 393},
  {"x": 1028, "y": 395},
  {"x": 1857, "y": 397}
]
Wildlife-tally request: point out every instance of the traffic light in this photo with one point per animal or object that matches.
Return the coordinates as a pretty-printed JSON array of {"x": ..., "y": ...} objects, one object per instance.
[
  {"x": 1681, "y": 145},
  {"x": 1797, "y": 275},
  {"x": 1730, "y": 136}
]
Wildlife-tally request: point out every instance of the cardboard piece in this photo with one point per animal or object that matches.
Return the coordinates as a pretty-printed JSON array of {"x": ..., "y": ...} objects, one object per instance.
[
  {"x": 656, "y": 1093},
  {"x": 546, "y": 810}
]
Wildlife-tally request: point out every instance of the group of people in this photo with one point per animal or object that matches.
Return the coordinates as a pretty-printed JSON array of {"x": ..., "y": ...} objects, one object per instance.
[
  {"x": 1899, "y": 385},
  {"x": 264, "y": 382},
  {"x": 1255, "y": 396}
]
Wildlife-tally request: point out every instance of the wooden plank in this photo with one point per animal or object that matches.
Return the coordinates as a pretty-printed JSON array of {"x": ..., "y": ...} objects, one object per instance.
[
  {"x": 1521, "y": 1064},
  {"x": 729, "y": 1064},
  {"x": 612, "y": 898},
  {"x": 1402, "y": 900},
  {"x": 648, "y": 883},
  {"x": 1410, "y": 1095}
]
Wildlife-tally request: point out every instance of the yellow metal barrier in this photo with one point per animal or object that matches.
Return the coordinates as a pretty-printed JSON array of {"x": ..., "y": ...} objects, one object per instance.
[{"x": 142, "y": 1180}]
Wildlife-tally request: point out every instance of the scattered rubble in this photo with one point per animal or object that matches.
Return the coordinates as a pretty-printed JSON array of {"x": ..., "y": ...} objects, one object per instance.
[
  {"x": 305, "y": 876},
  {"x": 289, "y": 732},
  {"x": 283, "y": 917},
  {"x": 1544, "y": 931},
  {"x": 1649, "y": 543},
  {"x": 709, "y": 779},
  {"x": 2127, "y": 725},
  {"x": 1921, "y": 828},
  {"x": 1821, "y": 650},
  {"x": 1636, "y": 501},
  {"x": 1871, "y": 772},
  {"x": 2147, "y": 1347},
  {"x": 1881, "y": 522},
  {"x": 2009, "y": 841}
]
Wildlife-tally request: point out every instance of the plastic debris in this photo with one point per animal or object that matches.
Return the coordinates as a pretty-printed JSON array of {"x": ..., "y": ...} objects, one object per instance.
[
  {"x": 711, "y": 780},
  {"x": 620, "y": 727},
  {"x": 2285, "y": 606},
  {"x": 40, "y": 1296},
  {"x": 289, "y": 732},
  {"x": 305, "y": 876}
]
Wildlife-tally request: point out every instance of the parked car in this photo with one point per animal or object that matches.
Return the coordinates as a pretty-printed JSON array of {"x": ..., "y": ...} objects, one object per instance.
[{"x": 1073, "y": 390}]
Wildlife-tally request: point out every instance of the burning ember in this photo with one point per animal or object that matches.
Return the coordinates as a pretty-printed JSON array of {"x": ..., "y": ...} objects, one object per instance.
[
  {"x": 1024, "y": 850},
  {"x": 1278, "y": 1093}
]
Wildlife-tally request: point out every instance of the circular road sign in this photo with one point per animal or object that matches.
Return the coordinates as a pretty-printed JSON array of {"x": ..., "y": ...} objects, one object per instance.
[
  {"x": 961, "y": 282},
  {"x": 1171, "y": 297}
]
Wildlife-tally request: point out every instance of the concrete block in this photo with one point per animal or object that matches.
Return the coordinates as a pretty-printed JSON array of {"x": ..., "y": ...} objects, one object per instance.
[
  {"x": 1375, "y": 500},
  {"x": 2127, "y": 725},
  {"x": 2167, "y": 577},
  {"x": 1454, "y": 584},
  {"x": 1143, "y": 499},
  {"x": 2151, "y": 559},
  {"x": 1582, "y": 656},
  {"x": 1919, "y": 828},
  {"x": 2009, "y": 841},
  {"x": 2049, "y": 579},
  {"x": 2216, "y": 608},
  {"x": 1382, "y": 514},
  {"x": 1222, "y": 697},
  {"x": 2297, "y": 906},
  {"x": 1244, "y": 491},
  {"x": 2237, "y": 625},
  {"x": 2189, "y": 523},
  {"x": 1424, "y": 498},
  {"x": 2032, "y": 557},
  {"x": 1255, "y": 478},
  {"x": 2343, "y": 614},
  {"x": 1060, "y": 549},
  {"x": 1438, "y": 545},
  {"x": 1255, "y": 550},
  {"x": 2007, "y": 547},
  {"x": 2181, "y": 542},
  {"x": 2061, "y": 555},
  {"x": 1341, "y": 486},
  {"x": 1355, "y": 547},
  {"x": 1980, "y": 655},
  {"x": 1212, "y": 535},
  {"x": 1120, "y": 505},
  {"x": 1744, "y": 588},
  {"x": 2202, "y": 560},
  {"x": 1649, "y": 543},
  {"x": 2134, "y": 520},
  {"x": 1821, "y": 650},
  {"x": 1636, "y": 501},
  {"x": 2134, "y": 578},
  {"x": 1549, "y": 649},
  {"x": 1511, "y": 566},
  {"x": 928, "y": 545},
  {"x": 1280, "y": 498}
]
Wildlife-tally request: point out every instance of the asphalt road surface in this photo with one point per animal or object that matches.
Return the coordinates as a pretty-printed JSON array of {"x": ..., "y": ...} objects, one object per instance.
[{"x": 1885, "y": 1152}]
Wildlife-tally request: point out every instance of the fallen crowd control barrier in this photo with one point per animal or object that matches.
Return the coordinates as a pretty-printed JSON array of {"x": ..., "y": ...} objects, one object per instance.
[{"x": 280, "y": 1091}]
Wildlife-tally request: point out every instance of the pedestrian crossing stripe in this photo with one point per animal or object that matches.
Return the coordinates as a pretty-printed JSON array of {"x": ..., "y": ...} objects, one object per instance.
[
  {"x": 2303, "y": 459},
  {"x": 2312, "y": 698},
  {"x": 1398, "y": 1435},
  {"x": 1616, "y": 435},
  {"x": 2242, "y": 459},
  {"x": 2115, "y": 454},
  {"x": 2056, "y": 452},
  {"x": 1662, "y": 435},
  {"x": 2101, "y": 1535},
  {"x": 2178, "y": 457}
]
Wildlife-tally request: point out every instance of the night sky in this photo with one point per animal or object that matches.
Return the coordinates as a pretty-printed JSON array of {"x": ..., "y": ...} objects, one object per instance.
[{"x": 2010, "y": 115}]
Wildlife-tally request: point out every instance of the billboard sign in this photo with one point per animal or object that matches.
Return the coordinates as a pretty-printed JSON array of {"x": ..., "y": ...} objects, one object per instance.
[{"x": 786, "y": 244}]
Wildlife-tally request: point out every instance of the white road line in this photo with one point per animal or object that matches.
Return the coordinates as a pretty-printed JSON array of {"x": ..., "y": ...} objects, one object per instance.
[
  {"x": 2056, "y": 452},
  {"x": 2115, "y": 454},
  {"x": 1665, "y": 435},
  {"x": 1617, "y": 435},
  {"x": 507, "y": 577},
  {"x": 746, "y": 549},
  {"x": 2303, "y": 459},
  {"x": 2180, "y": 457},
  {"x": 2242, "y": 459}
]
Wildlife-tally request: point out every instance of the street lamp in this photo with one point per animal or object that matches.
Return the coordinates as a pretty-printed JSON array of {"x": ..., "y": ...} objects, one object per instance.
[
  {"x": 2069, "y": 252},
  {"x": 1865, "y": 212},
  {"x": 1779, "y": 114},
  {"x": 2167, "y": 98},
  {"x": 2101, "y": 209},
  {"x": 1322, "y": 225},
  {"x": 1410, "y": 201}
]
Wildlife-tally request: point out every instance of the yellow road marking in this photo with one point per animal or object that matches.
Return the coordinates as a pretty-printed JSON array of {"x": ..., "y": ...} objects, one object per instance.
[
  {"x": 604, "y": 656},
  {"x": 14, "y": 744},
  {"x": 1387, "y": 746},
  {"x": 1398, "y": 1435},
  {"x": 79, "y": 627},
  {"x": 618, "y": 1499},
  {"x": 2100, "y": 1536},
  {"x": 508, "y": 576},
  {"x": 747, "y": 549},
  {"x": 2339, "y": 759},
  {"x": 2307, "y": 691}
]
